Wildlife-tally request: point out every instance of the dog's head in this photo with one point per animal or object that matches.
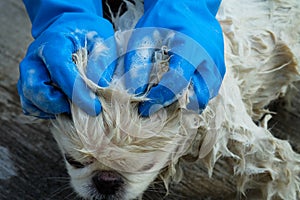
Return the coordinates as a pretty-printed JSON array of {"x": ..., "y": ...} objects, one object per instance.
[{"x": 117, "y": 154}]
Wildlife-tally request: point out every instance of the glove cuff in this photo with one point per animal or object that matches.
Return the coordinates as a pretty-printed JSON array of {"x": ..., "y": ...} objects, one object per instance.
[{"x": 43, "y": 13}]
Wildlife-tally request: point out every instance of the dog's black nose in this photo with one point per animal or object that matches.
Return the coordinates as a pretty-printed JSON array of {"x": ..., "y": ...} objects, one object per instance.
[{"x": 107, "y": 182}]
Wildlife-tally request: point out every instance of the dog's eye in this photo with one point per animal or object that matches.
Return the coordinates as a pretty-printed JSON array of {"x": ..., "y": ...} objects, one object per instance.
[{"x": 74, "y": 162}]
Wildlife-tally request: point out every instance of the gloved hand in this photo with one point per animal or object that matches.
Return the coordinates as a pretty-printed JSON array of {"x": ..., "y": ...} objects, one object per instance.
[
  {"x": 194, "y": 38},
  {"x": 48, "y": 76}
]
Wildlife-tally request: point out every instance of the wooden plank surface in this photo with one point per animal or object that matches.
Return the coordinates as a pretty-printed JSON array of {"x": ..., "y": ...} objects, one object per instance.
[{"x": 30, "y": 164}]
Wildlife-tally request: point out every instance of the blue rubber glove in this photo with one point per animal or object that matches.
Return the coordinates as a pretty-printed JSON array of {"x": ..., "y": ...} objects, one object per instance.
[
  {"x": 49, "y": 78},
  {"x": 194, "y": 38}
]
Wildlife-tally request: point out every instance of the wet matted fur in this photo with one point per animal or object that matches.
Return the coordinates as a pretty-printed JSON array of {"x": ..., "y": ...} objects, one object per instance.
[{"x": 262, "y": 55}]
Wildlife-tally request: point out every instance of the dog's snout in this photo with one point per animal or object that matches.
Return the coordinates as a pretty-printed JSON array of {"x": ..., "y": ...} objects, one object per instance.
[{"x": 107, "y": 182}]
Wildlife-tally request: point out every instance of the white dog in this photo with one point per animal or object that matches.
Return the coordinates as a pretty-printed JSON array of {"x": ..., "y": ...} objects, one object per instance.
[{"x": 117, "y": 154}]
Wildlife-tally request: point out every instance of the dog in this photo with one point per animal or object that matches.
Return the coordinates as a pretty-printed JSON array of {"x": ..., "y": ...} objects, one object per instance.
[{"x": 118, "y": 154}]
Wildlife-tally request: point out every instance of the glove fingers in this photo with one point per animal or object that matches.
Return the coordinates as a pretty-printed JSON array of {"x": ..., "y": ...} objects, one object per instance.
[
  {"x": 102, "y": 61},
  {"x": 170, "y": 86},
  {"x": 138, "y": 65},
  {"x": 30, "y": 109},
  {"x": 140, "y": 55},
  {"x": 65, "y": 74},
  {"x": 200, "y": 95},
  {"x": 36, "y": 92}
]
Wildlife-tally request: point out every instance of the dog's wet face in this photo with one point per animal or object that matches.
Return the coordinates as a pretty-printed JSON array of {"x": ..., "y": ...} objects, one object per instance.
[{"x": 93, "y": 180}]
